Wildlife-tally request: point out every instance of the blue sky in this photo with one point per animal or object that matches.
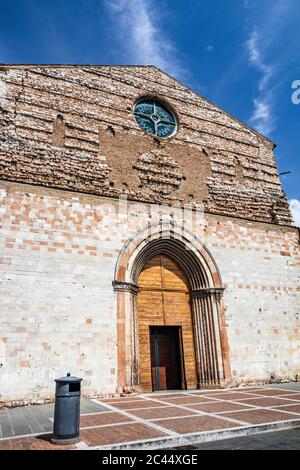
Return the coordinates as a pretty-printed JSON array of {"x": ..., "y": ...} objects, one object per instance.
[{"x": 241, "y": 54}]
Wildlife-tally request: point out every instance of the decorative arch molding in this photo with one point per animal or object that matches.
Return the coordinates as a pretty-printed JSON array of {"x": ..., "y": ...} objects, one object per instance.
[{"x": 206, "y": 290}]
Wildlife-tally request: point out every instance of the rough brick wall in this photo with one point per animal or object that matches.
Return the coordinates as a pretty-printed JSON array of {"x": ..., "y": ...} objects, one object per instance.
[
  {"x": 74, "y": 128},
  {"x": 58, "y": 252}
]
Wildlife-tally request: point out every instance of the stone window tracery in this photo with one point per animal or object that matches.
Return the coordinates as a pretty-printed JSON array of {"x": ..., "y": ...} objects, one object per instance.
[{"x": 155, "y": 118}]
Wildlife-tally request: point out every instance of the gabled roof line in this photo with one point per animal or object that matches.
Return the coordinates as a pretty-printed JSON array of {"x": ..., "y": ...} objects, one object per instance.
[
  {"x": 144, "y": 66},
  {"x": 215, "y": 105}
]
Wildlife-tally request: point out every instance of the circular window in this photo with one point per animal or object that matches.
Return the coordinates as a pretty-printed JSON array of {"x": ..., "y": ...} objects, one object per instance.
[{"x": 155, "y": 118}]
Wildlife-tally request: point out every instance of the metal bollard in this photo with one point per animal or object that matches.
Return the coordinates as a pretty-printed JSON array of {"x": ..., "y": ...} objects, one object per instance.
[{"x": 67, "y": 410}]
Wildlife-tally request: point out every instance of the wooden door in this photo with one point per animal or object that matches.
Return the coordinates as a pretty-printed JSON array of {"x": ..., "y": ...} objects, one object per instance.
[
  {"x": 165, "y": 358},
  {"x": 163, "y": 300}
]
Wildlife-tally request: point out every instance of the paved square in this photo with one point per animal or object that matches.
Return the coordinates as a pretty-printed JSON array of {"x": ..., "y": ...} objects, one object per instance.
[{"x": 120, "y": 420}]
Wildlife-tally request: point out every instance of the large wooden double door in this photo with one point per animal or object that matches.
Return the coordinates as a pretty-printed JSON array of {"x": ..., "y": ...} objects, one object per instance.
[{"x": 165, "y": 327}]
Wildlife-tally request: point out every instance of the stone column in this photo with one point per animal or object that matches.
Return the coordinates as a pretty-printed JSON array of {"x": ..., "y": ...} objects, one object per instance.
[
  {"x": 128, "y": 370},
  {"x": 206, "y": 333}
]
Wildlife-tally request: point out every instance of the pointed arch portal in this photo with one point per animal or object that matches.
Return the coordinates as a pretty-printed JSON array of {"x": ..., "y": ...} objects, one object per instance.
[{"x": 168, "y": 288}]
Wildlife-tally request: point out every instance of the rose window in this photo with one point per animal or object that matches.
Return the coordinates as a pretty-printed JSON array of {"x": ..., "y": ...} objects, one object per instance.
[{"x": 155, "y": 118}]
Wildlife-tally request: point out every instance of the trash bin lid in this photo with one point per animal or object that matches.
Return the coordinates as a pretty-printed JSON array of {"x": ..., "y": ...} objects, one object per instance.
[{"x": 68, "y": 378}]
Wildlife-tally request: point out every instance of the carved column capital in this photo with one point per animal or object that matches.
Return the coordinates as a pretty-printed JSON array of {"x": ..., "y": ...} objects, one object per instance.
[
  {"x": 122, "y": 286},
  {"x": 209, "y": 291}
]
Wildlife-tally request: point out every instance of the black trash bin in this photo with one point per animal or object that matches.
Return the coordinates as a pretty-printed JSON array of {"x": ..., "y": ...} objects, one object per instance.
[{"x": 67, "y": 410}]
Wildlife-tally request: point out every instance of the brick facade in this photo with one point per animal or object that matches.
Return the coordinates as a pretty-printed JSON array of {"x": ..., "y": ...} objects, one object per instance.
[{"x": 73, "y": 128}]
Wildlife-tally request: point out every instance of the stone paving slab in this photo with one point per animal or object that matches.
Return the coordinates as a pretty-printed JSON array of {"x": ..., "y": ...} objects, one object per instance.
[
  {"x": 232, "y": 396},
  {"x": 295, "y": 396},
  {"x": 122, "y": 433},
  {"x": 166, "y": 412},
  {"x": 218, "y": 407},
  {"x": 161, "y": 396},
  {"x": 264, "y": 402},
  {"x": 194, "y": 424},
  {"x": 186, "y": 400},
  {"x": 120, "y": 399},
  {"x": 136, "y": 404},
  {"x": 261, "y": 416},
  {"x": 289, "y": 408},
  {"x": 293, "y": 386},
  {"x": 156, "y": 420},
  {"x": 273, "y": 392},
  {"x": 102, "y": 419},
  {"x": 36, "y": 419},
  {"x": 32, "y": 443}
]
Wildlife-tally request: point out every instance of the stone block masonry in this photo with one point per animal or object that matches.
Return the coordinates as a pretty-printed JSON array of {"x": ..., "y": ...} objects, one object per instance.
[{"x": 58, "y": 252}]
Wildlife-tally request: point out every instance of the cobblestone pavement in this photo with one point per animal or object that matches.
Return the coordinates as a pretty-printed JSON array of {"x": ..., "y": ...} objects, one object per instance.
[{"x": 158, "y": 418}]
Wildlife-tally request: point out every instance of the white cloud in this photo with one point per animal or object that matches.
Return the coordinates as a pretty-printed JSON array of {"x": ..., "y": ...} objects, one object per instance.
[
  {"x": 262, "y": 116},
  {"x": 255, "y": 59},
  {"x": 267, "y": 31},
  {"x": 136, "y": 24},
  {"x": 295, "y": 209}
]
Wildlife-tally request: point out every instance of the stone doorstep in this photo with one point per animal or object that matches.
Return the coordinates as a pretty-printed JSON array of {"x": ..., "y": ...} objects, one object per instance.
[{"x": 170, "y": 442}]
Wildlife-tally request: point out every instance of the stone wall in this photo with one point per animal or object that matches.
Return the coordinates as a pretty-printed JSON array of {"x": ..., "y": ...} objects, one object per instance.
[
  {"x": 58, "y": 252},
  {"x": 72, "y": 127}
]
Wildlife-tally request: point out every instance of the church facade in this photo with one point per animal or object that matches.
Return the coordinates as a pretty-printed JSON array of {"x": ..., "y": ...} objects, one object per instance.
[{"x": 146, "y": 242}]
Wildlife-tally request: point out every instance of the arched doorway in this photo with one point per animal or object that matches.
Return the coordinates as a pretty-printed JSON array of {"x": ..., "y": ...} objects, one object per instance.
[
  {"x": 201, "y": 274},
  {"x": 165, "y": 327}
]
